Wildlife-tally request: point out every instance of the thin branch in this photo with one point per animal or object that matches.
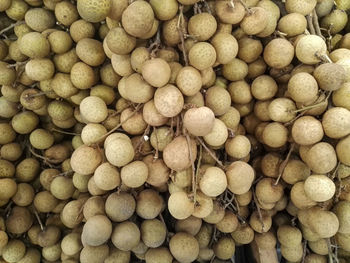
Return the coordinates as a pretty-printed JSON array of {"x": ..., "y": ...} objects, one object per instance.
[
  {"x": 120, "y": 124},
  {"x": 210, "y": 153},
  {"x": 310, "y": 24},
  {"x": 181, "y": 29},
  {"x": 39, "y": 220},
  {"x": 316, "y": 24},
  {"x": 11, "y": 26},
  {"x": 284, "y": 164},
  {"x": 193, "y": 168}
]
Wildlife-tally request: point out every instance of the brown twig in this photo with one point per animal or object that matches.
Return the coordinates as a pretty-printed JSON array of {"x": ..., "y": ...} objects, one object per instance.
[
  {"x": 210, "y": 153},
  {"x": 310, "y": 24},
  {"x": 314, "y": 105},
  {"x": 330, "y": 252},
  {"x": 284, "y": 164},
  {"x": 195, "y": 179},
  {"x": 156, "y": 155},
  {"x": 39, "y": 220},
  {"x": 11, "y": 26},
  {"x": 304, "y": 251},
  {"x": 247, "y": 9},
  {"x": 316, "y": 24},
  {"x": 65, "y": 132},
  {"x": 120, "y": 124},
  {"x": 193, "y": 168},
  {"x": 206, "y": 6},
  {"x": 181, "y": 31},
  {"x": 258, "y": 209}
]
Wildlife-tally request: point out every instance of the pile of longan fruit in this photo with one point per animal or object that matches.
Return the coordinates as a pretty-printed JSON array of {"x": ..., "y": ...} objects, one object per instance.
[{"x": 174, "y": 131}]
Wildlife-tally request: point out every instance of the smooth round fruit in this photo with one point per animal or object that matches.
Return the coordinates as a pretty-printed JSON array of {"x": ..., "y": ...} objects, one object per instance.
[
  {"x": 93, "y": 10},
  {"x": 184, "y": 247}
]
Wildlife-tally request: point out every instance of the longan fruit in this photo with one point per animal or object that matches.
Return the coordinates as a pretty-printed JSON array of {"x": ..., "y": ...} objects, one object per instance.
[
  {"x": 302, "y": 87},
  {"x": 31, "y": 99},
  {"x": 85, "y": 160},
  {"x": 49, "y": 236},
  {"x": 321, "y": 158},
  {"x": 92, "y": 102},
  {"x": 14, "y": 251},
  {"x": 80, "y": 29},
  {"x": 335, "y": 20},
  {"x": 189, "y": 80},
  {"x": 295, "y": 171},
  {"x": 118, "y": 151},
  {"x": 202, "y": 25},
  {"x": 226, "y": 47},
  {"x": 235, "y": 173},
  {"x": 95, "y": 205},
  {"x": 307, "y": 130},
  {"x": 299, "y": 197},
  {"x": 224, "y": 248},
  {"x": 269, "y": 192},
  {"x": 24, "y": 195},
  {"x": 137, "y": 18},
  {"x": 228, "y": 14},
  {"x": 235, "y": 70},
  {"x": 93, "y": 11},
  {"x": 64, "y": 62},
  {"x": 278, "y": 53},
  {"x": 281, "y": 110},
  {"x": 335, "y": 122},
  {"x": 264, "y": 87},
  {"x": 324, "y": 223},
  {"x": 275, "y": 135},
  {"x": 319, "y": 188},
  {"x": 294, "y": 253},
  {"x": 153, "y": 232},
  {"x": 156, "y": 72},
  {"x": 218, "y": 100},
  {"x": 17, "y": 10},
  {"x": 90, "y": 254},
  {"x": 292, "y": 24},
  {"x": 260, "y": 226},
  {"x": 238, "y": 147},
  {"x": 300, "y": 6},
  {"x": 39, "y": 19},
  {"x": 184, "y": 247},
  {"x": 180, "y": 206},
  {"x": 202, "y": 55},
  {"x": 34, "y": 45},
  {"x": 45, "y": 202},
  {"x": 240, "y": 92},
  {"x": 137, "y": 89},
  {"x": 308, "y": 49},
  {"x": 330, "y": 76},
  {"x": 229, "y": 223},
  {"x": 19, "y": 220},
  {"x": 11, "y": 151},
  {"x": 40, "y": 69},
  {"x": 160, "y": 254},
  {"x": 341, "y": 209},
  {"x": 151, "y": 115},
  {"x": 97, "y": 230},
  {"x": 126, "y": 235},
  {"x": 319, "y": 246},
  {"x": 250, "y": 49},
  {"x": 190, "y": 225},
  {"x": 62, "y": 187},
  {"x": 5, "y": 5},
  {"x": 66, "y": 13},
  {"x": 90, "y": 51},
  {"x": 168, "y": 100},
  {"x": 106, "y": 177},
  {"x": 213, "y": 176},
  {"x": 120, "y": 207},
  {"x": 149, "y": 204},
  {"x": 199, "y": 121},
  {"x": 342, "y": 149}
]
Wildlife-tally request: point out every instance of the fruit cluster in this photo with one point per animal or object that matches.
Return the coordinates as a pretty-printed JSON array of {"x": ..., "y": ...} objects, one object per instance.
[{"x": 174, "y": 130}]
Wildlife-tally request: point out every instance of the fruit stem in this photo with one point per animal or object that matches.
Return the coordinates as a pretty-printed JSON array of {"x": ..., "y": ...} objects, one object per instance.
[
  {"x": 316, "y": 24},
  {"x": 65, "y": 132},
  {"x": 304, "y": 251},
  {"x": 11, "y": 26},
  {"x": 211, "y": 153},
  {"x": 119, "y": 125},
  {"x": 206, "y": 6},
  {"x": 17, "y": 64},
  {"x": 39, "y": 220},
  {"x": 258, "y": 209},
  {"x": 181, "y": 29},
  {"x": 310, "y": 24},
  {"x": 330, "y": 253},
  {"x": 156, "y": 155},
  {"x": 314, "y": 105},
  {"x": 247, "y": 9},
  {"x": 194, "y": 186},
  {"x": 284, "y": 164}
]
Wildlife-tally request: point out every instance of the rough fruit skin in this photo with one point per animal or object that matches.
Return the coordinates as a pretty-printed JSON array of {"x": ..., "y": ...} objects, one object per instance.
[
  {"x": 137, "y": 18},
  {"x": 199, "y": 121},
  {"x": 184, "y": 247},
  {"x": 93, "y": 10}
]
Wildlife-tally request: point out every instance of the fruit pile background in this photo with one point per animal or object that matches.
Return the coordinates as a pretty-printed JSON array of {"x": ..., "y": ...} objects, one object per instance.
[{"x": 174, "y": 131}]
